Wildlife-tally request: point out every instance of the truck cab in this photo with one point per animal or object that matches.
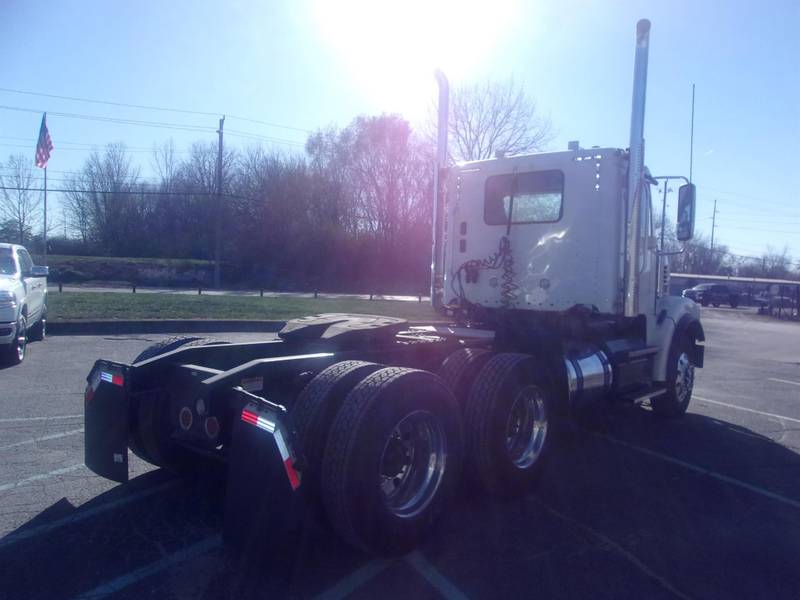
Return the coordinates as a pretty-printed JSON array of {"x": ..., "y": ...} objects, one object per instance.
[{"x": 562, "y": 216}]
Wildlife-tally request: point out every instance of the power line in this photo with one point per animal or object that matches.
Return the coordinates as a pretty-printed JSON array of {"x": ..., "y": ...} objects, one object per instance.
[
  {"x": 127, "y": 192},
  {"x": 158, "y": 124},
  {"x": 762, "y": 201},
  {"x": 150, "y": 107},
  {"x": 61, "y": 143}
]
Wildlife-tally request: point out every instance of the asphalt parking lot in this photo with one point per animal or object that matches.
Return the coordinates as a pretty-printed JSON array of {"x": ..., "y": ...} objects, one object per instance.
[{"x": 707, "y": 506}]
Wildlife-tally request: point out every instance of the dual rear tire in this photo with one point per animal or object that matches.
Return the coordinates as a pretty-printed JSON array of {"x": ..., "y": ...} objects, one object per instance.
[
  {"x": 382, "y": 449},
  {"x": 507, "y": 406}
]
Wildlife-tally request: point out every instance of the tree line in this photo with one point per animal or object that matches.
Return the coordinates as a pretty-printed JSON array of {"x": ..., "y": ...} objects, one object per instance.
[{"x": 351, "y": 212}]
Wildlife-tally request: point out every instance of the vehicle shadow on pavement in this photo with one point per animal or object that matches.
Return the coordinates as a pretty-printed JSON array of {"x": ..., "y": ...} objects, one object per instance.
[{"x": 612, "y": 518}]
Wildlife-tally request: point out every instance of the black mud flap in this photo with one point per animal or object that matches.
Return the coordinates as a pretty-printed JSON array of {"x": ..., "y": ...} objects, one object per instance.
[
  {"x": 106, "y": 420},
  {"x": 266, "y": 520}
]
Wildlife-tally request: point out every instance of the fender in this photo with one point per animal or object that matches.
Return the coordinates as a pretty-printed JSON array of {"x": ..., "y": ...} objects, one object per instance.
[{"x": 675, "y": 316}]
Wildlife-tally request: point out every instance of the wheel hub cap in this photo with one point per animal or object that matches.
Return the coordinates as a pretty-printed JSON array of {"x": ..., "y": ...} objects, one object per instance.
[
  {"x": 684, "y": 378},
  {"x": 526, "y": 429},
  {"x": 412, "y": 464}
]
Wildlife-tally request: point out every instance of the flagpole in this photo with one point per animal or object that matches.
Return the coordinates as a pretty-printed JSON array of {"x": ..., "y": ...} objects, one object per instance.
[{"x": 45, "y": 216}]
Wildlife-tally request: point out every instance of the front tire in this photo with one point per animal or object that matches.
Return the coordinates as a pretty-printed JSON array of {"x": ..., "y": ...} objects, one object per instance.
[
  {"x": 17, "y": 350},
  {"x": 506, "y": 424},
  {"x": 680, "y": 380},
  {"x": 392, "y": 460}
]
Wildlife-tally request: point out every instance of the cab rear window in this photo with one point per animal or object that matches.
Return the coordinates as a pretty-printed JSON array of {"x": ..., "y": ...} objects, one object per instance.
[
  {"x": 7, "y": 264},
  {"x": 532, "y": 197}
]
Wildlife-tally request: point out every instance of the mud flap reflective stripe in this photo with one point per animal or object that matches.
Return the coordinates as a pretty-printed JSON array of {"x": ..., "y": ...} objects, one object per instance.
[
  {"x": 265, "y": 513},
  {"x": 106, "y": 413},
  {"x": 248, "y": 416}
]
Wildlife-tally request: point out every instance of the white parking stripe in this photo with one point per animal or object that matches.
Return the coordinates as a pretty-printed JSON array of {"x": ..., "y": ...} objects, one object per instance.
[
  {"x": 703, "y": 471},
  {"x": 81, "y": 515},
  {"x": 56, "y": 473},
  {"x": 52, "y": 436},
  {"x": 609, "y": 542},
  {"x": 20, "y": 419},
  {"x": 349, "y": 584},
  {"x": 123, "y": 581},
  {"x": 442, "y": 584},
  {"x": 750, "y": 410},
  {"x": 784, "y": 381}
]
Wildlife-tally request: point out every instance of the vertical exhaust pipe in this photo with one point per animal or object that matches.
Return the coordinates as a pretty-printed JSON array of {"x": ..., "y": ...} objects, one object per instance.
[
  {"x": 636, "y": 168},
  {"x": 437, "y": 280}
]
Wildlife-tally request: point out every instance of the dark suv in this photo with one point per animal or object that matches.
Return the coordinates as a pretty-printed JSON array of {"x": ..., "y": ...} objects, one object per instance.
[{"x": 713, "y": 294}]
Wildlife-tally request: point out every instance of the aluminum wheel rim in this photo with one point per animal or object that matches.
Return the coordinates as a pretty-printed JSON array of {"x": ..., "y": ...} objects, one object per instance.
[
  {"x": 412, "y": 464},
  {"x": 22, "y": 339},
  {"x": 684, "y": 378},
  {"x": 526, "y": 428}
]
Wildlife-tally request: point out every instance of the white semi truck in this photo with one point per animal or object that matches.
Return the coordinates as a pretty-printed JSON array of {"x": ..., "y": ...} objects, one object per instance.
[{"x": 550, "y": 273}]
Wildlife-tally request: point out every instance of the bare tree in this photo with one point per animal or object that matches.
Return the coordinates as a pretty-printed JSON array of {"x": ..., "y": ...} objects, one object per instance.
[
  {"x": 165, "y": 163},
  {"x": 19, "y": 205},
  {"x": 495, "y": 116},
  {"x": 776, "y": 264}
]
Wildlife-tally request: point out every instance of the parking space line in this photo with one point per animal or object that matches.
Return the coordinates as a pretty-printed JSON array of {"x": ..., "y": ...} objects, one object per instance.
[
  {"x": 608, "y": 541},
  {"x": 33, "y": 478},
  {"x": 44, "y": 438},
  {"x": 349, "y": 584},
  {"x": 20, "y": 419},
  {"x": 82, "y": 515},
  {"x": 123, "y": 581},
  {"x": 750, "y": 410},
  {"x": 703, "y": 471},
  {"x": 784, "y": 381},
  {"x": 435, "y": 577}
]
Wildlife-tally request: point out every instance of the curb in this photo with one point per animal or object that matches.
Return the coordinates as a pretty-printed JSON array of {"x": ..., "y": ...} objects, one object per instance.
[{"x": 169, "y": 326}]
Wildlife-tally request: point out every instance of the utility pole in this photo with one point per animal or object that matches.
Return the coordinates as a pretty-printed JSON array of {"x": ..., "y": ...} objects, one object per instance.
[
  {"x": 713, "y": 225},
  {"x": 44, "y": 231},
  {"x": 218, "y": 223},
  {"x": 691, "y": 140}
]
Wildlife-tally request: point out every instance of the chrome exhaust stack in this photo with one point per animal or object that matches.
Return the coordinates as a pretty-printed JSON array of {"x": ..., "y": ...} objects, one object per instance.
[
  {"x": 636, "y": 168},
  {"x": 437, "y": 259}
]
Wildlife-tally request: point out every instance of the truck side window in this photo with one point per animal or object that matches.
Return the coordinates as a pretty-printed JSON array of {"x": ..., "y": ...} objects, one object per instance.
[
  {"x": 538, "y": 197},
  {"x": 25, "y": 262}
]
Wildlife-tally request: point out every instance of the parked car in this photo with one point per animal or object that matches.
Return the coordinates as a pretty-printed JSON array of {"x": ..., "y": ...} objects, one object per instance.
[
  {"x": 23, "y": 302},
  {"x": 714, "y": 294}
]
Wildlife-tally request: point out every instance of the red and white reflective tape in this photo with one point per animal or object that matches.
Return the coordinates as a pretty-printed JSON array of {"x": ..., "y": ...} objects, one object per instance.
[
  {"x": 114, "y": 378},
  {"x": 267, "y": 425}
]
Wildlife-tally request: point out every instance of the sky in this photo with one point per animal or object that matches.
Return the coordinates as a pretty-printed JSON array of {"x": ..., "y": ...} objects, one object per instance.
[{"x": 299, "y": 65}]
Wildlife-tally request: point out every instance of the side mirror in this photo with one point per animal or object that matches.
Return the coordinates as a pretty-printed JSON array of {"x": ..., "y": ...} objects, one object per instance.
[
  {"x": 686, "y": 199},
  {"x": 38, "y": 271}
]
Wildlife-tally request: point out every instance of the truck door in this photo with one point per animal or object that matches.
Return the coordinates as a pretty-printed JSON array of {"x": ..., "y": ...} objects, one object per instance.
[{"x": 34, "y": 286}]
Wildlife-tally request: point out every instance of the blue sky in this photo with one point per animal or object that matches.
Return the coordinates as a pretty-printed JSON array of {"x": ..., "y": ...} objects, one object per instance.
[{"x": 310, "y": 63}]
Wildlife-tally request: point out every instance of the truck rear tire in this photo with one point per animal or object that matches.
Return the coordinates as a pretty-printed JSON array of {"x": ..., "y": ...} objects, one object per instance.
[
  {"x": 315, "y": 410},
  {"x": 404, "y": 426},
  {"x": 38, "y": 332},
  {"x": 680, "y": 380},
  {"x": 506, "y": 424},
  {"x": 460, "y": 369},
  {"x": 173, "y": 343},
  {"x": 149, "y": 433}
]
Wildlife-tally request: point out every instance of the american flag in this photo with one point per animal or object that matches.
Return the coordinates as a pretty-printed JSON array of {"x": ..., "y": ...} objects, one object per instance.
[{"x": 44, "y": 146}]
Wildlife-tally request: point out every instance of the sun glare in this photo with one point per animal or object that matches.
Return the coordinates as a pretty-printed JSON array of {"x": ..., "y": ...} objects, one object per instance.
[{"x": 390, "y": 49}]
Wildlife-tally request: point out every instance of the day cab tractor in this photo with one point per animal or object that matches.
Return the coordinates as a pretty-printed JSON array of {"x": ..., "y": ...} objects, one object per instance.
[{"x": 554, "y": 288}]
